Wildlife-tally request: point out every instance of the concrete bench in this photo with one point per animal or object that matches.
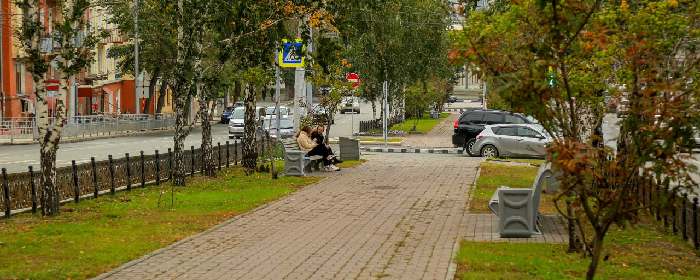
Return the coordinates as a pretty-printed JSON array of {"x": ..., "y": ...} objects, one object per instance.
[
  {"x": 296, "y": 163},
  {"x": 518, "y": 208}
]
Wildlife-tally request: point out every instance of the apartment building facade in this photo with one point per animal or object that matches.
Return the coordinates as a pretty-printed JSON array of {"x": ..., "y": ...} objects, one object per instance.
[{"x": 98, "y": 89}]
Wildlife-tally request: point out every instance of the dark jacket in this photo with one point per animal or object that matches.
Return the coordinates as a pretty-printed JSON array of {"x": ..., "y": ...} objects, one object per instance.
[{"x": 318, "y": 136}]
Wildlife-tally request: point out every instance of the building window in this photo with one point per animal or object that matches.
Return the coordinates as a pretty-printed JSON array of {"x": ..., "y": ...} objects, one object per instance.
[
  {"x": 27, "y": 106},
  {"x": 18, "y": 78}
]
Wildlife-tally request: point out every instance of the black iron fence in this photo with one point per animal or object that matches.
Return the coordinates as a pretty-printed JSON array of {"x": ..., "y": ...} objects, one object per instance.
[
  {"x": 682, "y": 215},
  {"x": 371, "y": 125},
  {"x": 20, "y": 191}
]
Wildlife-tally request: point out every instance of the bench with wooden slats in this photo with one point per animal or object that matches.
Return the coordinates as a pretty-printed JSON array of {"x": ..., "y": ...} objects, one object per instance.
[{"x": 296, "y": 163}]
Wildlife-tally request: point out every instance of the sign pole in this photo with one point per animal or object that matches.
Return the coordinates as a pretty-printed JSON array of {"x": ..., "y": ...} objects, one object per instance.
[
  {"x": 277, "y": 96},
  {"x": 484, "y": 98},
  {"x": 386, "y": 89},
  {"x": 136, "y": 56},
  {"x": 352, "y": 117}
]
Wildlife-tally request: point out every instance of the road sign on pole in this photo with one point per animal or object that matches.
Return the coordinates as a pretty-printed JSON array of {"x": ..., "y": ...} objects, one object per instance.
[
  {"x": 292, "y": 53},
  {"x": 142, "y": 84},
  {"x": 354, "y": 79}
]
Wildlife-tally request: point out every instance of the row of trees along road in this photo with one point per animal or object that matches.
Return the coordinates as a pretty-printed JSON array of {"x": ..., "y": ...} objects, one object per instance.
[
  {"x": 188, "y": 45},
  {"x": 643, "y": 50},
  {"x": 199, "y": 49}
]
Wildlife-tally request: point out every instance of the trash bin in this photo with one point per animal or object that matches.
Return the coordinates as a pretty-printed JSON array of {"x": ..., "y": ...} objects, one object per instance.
[{"x": 349, "y": 148}]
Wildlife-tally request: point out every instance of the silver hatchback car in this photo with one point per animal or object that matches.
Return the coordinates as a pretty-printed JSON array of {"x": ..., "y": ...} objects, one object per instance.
[{"x": 512, "y": 140}]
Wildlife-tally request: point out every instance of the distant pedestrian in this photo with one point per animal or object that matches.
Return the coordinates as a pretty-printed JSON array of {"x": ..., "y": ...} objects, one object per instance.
[{"x": 264, "y": 92}]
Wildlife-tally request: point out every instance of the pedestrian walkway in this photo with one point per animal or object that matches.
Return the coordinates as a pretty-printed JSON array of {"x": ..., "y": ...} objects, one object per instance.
[
  {"x": 393, "y": 217},
  {"x": 439, "y": 137},
  {"x": 396, "y": 216}
]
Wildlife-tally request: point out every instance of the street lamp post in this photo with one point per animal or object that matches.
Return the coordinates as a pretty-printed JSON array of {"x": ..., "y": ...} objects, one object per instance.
[{"x": 136, "y": 56}]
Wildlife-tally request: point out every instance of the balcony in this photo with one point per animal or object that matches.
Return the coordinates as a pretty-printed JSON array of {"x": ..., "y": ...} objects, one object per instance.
[{"x": 113, "y": 37}]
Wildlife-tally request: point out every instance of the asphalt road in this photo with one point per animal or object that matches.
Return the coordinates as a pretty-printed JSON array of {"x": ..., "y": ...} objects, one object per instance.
[{"x": 17, "y": 158}]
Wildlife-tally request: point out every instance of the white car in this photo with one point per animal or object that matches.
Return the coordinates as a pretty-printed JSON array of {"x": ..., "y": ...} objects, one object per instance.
[
  {"x": 286, "y": 127},
  {"x": 236, "y": 125},
  {"x": 350, "y": 104},
  {"x": 512, "y": 140},
  {"x": 270, "y": 111}
]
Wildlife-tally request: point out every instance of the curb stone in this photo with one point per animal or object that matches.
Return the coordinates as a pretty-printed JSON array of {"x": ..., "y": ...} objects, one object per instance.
[{"x": 452, "y": 151}]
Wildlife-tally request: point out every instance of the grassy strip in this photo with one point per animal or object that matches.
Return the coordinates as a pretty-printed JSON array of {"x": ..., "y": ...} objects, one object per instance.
[
  {"x": 424, "y": 125},
  {"x": 494, "y": 175},
  {"x": 642, "y": 252},
  {"x": 531, "y": 161},
  {"x": 639, "y": 253},
  {"x": 380, "y": 139},
  {"x": 98, "y": 235}
]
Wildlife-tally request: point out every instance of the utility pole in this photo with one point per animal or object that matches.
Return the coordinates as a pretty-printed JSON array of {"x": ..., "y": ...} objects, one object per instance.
[
  {"x": 385, "y": 118},
  {"x": 136, "y": 57},
  {"x": 309, "y": 87}
]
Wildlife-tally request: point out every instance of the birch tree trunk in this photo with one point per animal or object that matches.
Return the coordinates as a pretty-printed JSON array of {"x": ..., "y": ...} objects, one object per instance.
[
  {"x": 250, "y": 155},
  {"x": 204, "y": 113},
  {"x": 163, "y": 93},
  {"x": 180, "y": 97},
  {"x": 179, "y": 139},
  {"x": 151, "y": 91}
]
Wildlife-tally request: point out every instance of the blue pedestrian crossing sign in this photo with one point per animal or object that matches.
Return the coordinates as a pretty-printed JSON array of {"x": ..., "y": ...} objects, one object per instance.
[{"x": 292, "y": 54}]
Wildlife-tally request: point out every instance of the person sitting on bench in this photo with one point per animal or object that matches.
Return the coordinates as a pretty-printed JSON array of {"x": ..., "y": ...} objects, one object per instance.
[
  {"x": 317, "y": 136},
  {"x": 312, "y": 148}
]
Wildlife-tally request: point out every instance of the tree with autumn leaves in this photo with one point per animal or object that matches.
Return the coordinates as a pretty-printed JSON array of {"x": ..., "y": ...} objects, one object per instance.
[{"x": 555, "y": 60}]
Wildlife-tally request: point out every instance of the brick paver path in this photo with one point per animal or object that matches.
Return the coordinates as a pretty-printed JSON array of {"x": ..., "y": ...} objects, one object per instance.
[
  {"x": 439, "y": 137},
  {"x": 394, "y": 217}
]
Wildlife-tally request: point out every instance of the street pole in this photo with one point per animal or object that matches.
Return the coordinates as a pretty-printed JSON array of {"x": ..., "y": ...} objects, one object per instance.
[
  {"x": 386, "y": 89},
  {"x": 309, "y": 87},
  {"x": 136, "y": 56},
  {"x": 352, "y": 118},
  {"x": 277, "y": 95},
  {"x": 72, "y": 92},
  {"x": 484, "y": 98}
]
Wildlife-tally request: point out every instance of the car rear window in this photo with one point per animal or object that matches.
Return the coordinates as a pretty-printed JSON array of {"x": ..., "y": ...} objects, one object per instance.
[
  {"x": 526, "y": 132},
  {"x": 505, "y": 130}
]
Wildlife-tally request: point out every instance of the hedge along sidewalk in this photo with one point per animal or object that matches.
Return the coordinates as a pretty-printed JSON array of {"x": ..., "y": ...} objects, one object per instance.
[
  {"x": 97, "y": 235},
  {"x": 642, "y": 252}
]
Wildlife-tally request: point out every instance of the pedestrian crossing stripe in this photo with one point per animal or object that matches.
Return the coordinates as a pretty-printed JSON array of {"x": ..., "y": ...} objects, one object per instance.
[{"x": 292, "y": 53}]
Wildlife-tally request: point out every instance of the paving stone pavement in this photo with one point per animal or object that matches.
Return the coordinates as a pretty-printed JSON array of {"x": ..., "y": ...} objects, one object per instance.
[
  {"x": 439, "y": 137},
  {"x": 393, "y": 217},
  {"x": 396, "y": 216}
]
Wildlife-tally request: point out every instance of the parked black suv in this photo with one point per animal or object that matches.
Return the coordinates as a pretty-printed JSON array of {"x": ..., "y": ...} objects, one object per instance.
[{"x": 472, "y": 122}]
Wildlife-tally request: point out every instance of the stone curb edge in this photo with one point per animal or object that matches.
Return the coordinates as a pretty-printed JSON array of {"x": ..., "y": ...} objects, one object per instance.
[{"x": 455, "y": 151}]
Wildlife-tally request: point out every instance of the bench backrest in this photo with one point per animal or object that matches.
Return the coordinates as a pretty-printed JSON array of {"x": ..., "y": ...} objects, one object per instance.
[
  {"x": 289, "y": 144},
  {"x": 543, "y": 174}
]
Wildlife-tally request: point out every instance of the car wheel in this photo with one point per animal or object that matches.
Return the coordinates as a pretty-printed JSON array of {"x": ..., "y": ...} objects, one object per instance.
[
  {"x": 230, "y": 137},
  {"x": 489, "y": 151},
  {"x": 619, "y": 115},
  {"x": 468, "y": 147},
  {"x": 358, "y": 111}
]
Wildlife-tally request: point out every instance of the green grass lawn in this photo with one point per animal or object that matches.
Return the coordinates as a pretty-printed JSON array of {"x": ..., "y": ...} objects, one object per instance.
[
  {"x": 424, "y": 125},
  {"x": 98, "y": 235},
  {"x": 494, "y": 175},
  {"x": 642, "y": 252},
  {"x": 635, "y": 253},
  {"x": 393, "y": 140}
]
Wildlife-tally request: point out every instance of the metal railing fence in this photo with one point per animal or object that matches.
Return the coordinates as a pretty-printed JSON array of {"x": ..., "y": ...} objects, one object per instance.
[
  {"x": 21, "y": 191},
  {"x": 87, "y": 126}
]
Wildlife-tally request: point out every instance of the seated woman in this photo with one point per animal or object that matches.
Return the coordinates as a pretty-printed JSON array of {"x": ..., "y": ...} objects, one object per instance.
[
  {"x": 312, "y": 148},
  {"x": 317, "y": 136}
]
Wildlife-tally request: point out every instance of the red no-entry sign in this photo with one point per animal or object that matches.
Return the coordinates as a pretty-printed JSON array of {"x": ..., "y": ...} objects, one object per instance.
[{"x": 354, "y": 79}]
